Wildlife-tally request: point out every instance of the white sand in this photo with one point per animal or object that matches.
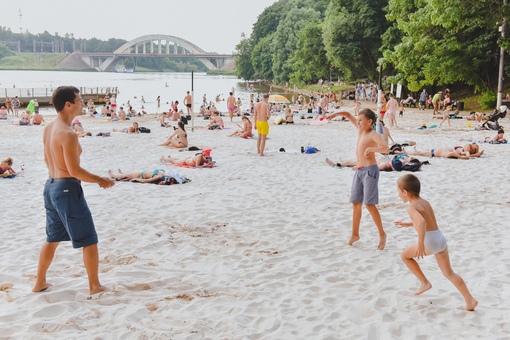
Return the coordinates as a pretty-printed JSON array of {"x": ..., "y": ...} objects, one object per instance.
[{"x": 255, "y": 248}]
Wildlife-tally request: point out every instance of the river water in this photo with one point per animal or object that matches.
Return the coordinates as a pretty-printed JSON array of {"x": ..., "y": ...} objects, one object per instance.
[{"x": 132, "y": 86}]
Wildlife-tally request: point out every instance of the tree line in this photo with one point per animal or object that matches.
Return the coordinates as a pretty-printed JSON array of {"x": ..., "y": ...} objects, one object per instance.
[
  {"x": 10, "y": 41},
  {"x": 419, "y": 43}
]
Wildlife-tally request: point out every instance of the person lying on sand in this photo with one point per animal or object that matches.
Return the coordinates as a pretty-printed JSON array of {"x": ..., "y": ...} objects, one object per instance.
[
  {"x": 499, "y": 138},
  {"x": 130, "y": 130},
  {"x": 199, "y": 160},
  {"x": 215, "y": 122},
  {"x": 455, "y": 152},
  {"x": 155, "y": 176},
  {"x": 384, "y": 162}
]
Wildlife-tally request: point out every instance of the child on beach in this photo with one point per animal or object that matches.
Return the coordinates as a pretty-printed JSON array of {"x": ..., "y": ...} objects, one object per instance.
[
  {"x": 366, "y": 179},
  {"x": 430, "y": 239}
]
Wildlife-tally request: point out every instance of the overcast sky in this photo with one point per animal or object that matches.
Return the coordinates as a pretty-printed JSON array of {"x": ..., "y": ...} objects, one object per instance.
[{"x": 213, "y": 25}]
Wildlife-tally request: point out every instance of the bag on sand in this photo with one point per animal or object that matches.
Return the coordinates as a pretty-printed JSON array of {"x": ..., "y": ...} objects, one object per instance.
[
  {"x": 413, "y": 165},
  {"x": 144, "y": 129}
]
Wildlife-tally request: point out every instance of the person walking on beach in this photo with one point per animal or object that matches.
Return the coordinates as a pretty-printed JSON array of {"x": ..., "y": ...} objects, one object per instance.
[
  {"x": 430, "y": 239},
  {"x": 68, "y": 217},
  {"x": 231, "y": 105},
  {"x": 365, "y": 182},
  {"x": 261, "y": 115}
]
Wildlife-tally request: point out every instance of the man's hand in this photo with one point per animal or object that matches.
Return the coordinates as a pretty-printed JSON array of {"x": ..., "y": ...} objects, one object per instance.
[{"x": 105, "y": 182}]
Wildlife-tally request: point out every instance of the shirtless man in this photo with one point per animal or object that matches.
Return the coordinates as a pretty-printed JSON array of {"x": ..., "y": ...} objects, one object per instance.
[
  {"x": 37, "y": 119},
  {"x": 215, "y": 122},
  {"x": 8, "y": 104},
  {"x": 187, "y": 102},
  {"x": 24, "y": 119},
  {"x": 231, "y": 105},
  {"x": 261, "y": 115},
  {"x": 68, "y": 217},
  {"x": 323, "y": 105}
]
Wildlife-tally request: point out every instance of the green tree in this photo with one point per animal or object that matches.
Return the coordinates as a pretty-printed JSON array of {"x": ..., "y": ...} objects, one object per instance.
[
  {"x": 443, "y": 42},
  {"x": 309, "y": 62},
  {"x": 286, "y": 40},
  {"x": 5, "y": 51},
  {"x": 262, "y": 58},
  {"x": 244, "y": 68},
  {"x": 268, "y": 20},
  {"x": 352, "y": 36}
]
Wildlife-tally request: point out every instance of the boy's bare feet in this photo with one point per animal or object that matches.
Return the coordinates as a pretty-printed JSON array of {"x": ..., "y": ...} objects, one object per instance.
[
  {"x": 40, "y": 287},
  {"x": 97, "y": 289},
  {"x": 352, "y": 240},
  {"x": 423, "y": 288},
  {"x": 471, "y": 305},
  {"x": 382, "y": 242}
]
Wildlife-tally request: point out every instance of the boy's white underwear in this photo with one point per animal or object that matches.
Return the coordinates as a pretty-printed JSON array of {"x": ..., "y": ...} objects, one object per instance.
[{"x": 435, "y": 241}]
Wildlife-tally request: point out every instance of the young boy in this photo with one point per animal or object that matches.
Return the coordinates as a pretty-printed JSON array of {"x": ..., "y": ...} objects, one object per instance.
[
  {"x": 365, "y": 182},
  {"x": 430, "y": 239}
]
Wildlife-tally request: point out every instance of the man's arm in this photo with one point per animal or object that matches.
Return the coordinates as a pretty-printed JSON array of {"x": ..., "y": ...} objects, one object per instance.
[{"x": 72, "y": 161}]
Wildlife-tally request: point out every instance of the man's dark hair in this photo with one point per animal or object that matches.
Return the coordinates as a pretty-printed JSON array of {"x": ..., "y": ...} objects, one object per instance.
[
  {"x": 266, "y": 95},
  {"x": 62, "y": 95}
]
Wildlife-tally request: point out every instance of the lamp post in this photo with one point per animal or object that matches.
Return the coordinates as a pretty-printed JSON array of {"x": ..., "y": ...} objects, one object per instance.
[
  {"x": 502, "y": 29},
  {"x": 379, "y": 98}
]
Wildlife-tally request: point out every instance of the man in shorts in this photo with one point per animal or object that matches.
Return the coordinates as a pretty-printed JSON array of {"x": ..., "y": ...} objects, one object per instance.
[
  {"x": 68, "y": 217},
  {"x": 261, "y": 115}
]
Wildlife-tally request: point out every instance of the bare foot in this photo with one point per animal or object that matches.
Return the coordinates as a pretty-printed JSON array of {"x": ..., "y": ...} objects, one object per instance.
[
  {"x": 382, "y": 242},
  {"x": 110, "y": 173},
  {"x": 97, "y": 289},
  {"x": 352, "y": 240},
  {"x": 40, "y": 287},
  {"x": 120, "y": 171},
  {"x": 471, "y": 305},
  {"x": 423, "y": 288}
]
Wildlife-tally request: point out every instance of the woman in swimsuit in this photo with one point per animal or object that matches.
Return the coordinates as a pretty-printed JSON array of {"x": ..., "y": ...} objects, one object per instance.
[
  {"x": 6, "y": 168},
  {"x": 244, "y": 131},
  {"x": 199, "y": 160},
  {"x": 178, "y": 139},
  {"x": 455, "y": 152},
  {"x": 145, "y": 176}
]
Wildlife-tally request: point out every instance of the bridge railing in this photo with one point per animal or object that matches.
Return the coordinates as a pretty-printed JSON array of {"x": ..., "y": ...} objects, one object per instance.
[{"x": 43, "y": 95}]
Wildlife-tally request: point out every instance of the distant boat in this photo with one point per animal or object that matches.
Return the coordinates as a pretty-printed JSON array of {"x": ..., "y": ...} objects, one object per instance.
[{"x": 124, "y": 70}]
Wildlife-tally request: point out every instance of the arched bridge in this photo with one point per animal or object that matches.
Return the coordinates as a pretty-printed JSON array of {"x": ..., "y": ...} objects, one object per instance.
[{"x": 154, "y": 46}]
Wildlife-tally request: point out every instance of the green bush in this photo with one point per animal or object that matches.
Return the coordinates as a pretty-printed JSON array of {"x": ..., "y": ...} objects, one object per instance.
[{"x": 488, "y": 100}]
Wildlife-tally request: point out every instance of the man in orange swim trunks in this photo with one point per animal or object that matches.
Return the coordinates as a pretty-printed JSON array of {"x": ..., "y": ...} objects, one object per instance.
[{"x": 261, "y": 115}]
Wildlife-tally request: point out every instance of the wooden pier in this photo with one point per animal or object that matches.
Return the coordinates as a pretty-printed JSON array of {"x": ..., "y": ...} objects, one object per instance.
[{"x": 43, "y": 95}]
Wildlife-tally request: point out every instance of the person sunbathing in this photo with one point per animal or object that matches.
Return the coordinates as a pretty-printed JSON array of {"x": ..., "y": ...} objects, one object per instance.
[
  {"x": 384, "y": 162},
  {"x": 155, "y": 176},
  {"x": 178, "y": 139},
  {"x": 473, "y": 150},
  {"x": 198, "y": 161},
  {"x": 455, "y": 152},
  {"x": 215, "y": 122},
  {"x": 244, "y": 131},
  {"x": 6, "y": 169},
  {"x": 130, "y": 130}
]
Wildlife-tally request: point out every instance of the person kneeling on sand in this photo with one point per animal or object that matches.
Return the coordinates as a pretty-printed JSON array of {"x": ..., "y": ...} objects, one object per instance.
[
  {"x": 431, "y": 240},
  {"x": 178, "y": 139},
  {"x": 130, "y": 130},
  {"x": 199, "y": 160}
]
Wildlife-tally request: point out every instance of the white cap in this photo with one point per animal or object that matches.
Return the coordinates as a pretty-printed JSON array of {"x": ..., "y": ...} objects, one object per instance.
[{"x": 503, "y": 108}]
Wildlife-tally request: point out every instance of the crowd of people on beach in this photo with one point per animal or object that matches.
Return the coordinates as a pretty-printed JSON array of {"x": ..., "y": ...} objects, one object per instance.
[{"x": 373, "y": 154}]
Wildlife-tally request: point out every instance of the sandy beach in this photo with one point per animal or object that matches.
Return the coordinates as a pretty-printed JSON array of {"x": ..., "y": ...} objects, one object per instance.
[{"x": 255, "y": 247}]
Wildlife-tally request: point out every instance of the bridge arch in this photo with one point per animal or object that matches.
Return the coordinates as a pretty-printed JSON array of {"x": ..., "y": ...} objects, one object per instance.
[{"x": 170, "y": 43}]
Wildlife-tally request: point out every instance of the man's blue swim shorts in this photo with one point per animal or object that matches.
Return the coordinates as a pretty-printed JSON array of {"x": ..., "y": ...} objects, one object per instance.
[{"x": 68, "y": 216}]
